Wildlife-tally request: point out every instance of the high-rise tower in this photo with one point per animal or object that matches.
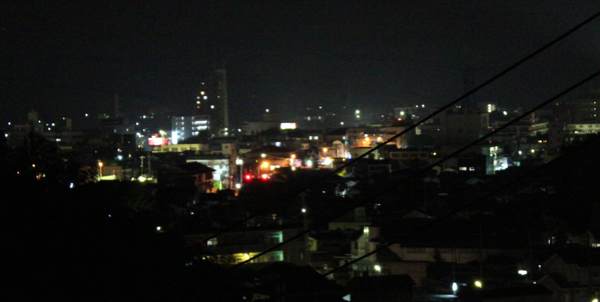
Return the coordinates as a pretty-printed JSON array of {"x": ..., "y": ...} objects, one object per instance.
[{"x": 212, "y": 100}]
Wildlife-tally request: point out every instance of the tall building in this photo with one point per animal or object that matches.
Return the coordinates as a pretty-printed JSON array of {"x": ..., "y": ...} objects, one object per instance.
[{"x": 212, "y": 100}]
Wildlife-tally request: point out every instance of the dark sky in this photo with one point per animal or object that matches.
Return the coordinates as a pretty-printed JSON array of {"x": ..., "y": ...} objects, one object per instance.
[{"x": 63, "y": 57}]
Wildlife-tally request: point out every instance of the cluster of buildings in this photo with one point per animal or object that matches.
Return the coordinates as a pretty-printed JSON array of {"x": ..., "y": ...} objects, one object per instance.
[{"x": 204, "y": 154}]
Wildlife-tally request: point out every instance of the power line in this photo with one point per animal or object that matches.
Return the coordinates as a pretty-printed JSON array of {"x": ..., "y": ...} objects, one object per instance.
[
  {"x": 569, "y": 89},
  {"x": 428, "y": 117}
]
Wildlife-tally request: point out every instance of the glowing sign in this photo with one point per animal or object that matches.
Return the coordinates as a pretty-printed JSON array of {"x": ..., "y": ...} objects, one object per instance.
[
  {"x": 158, "y": 141},
  {"x": 288, "y": 126}
]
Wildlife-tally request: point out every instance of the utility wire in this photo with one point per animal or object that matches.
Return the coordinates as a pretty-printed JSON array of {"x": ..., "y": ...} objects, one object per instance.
[
  {"x": 569, "y": 89},
  {"x": 431, "y": 115}
]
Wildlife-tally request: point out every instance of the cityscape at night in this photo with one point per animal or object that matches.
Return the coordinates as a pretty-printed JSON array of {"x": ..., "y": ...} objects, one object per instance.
[{"x": 301, "y": 150}]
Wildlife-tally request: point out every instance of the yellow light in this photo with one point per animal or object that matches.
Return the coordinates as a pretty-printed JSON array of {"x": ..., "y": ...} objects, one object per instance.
[
  {"x": 325, "y": 149},
  {"x": 293, "y": 156},
  {"x": 263, "y": 155},
  {"x": 265, "y": 165},
  {"x": 100, "y": 164},
  {"x": 595, "y": 300},
  {"x": 478, "y": 284}
]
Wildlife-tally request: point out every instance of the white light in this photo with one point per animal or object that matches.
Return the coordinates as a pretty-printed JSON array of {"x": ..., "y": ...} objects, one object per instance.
[
  {"x": 174, "y": 137},
  {"x": 212, "y": 106},
  {"x": 202, "y": 92},
  {"x": 341, "y": 123},
  {"x": 263, "y": 155},
  {"x": 595, "y": 300},
  {"x": 205, "y": 98},
  {"x": 454, "y": 287},
  {"x": 119, "y": 157},
  {"x": 288, "y": 126},
  {"x": 238, "y": 186},
  {"x": 239, "y": 161},
  {"x": 377, "y": 268},
  {"x": 309, "y": 163},
  {"x": 267, "y": 110},
  {"x": 303, "y": 210},
  {"x": 356, "y": 111},
  {"x": 158, "y": 228},
  {"x": 522, "y": 272},
  {"x": 71, "y": 185},
  {"x": 478, "y": 284},
  {"x": 504, "y": 113},
  {"x": 366, "y": 230},
  {"x": 86, "y": 115}
]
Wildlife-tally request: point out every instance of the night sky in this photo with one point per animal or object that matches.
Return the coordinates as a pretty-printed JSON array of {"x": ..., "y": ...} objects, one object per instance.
[{"x": 64, "y": 58}]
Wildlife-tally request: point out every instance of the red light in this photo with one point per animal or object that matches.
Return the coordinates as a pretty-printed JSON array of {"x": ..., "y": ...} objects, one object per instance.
[{"x": 248, "y": 177}]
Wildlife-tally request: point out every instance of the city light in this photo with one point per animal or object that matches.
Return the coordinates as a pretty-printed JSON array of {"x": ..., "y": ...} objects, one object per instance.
[
  {"x": 263, "y": 155},
  {"x": 265, "y": 165},
  {"x": 303, "y": 210},
  {"x": 159, "y": 228},
  {"x": 239, "y": 161},
  {"x": 478, "y": 283},
  {"x": 522, "y": 272},
  {"x": 309, "y": 163},
  {"x": 454, "y": 287},
  {"x": 377, "y": 268},
  {"x": 248, "y": 177}
]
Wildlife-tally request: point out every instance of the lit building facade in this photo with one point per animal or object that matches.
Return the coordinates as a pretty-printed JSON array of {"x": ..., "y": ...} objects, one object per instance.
[{"x": 184, "y": 127}]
